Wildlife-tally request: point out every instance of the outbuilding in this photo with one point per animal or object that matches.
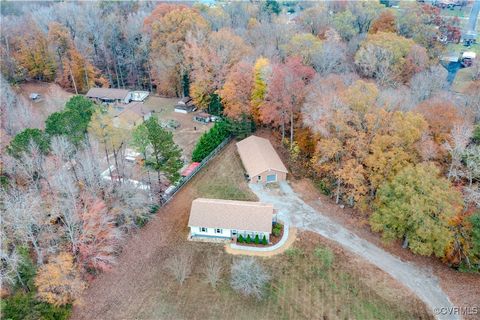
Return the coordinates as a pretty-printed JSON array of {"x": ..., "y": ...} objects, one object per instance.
[
  {"x": 181, "y": 108},
  {"x": 132, "y": 115},
  {"x": 261, "y": 161},
  {"x": 228, "y": 219},
  {"x": 109, "y": 95}
]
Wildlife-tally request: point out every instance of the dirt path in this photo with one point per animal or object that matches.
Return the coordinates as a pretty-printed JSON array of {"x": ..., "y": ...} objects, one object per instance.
[{"x": 293, "y": 210}]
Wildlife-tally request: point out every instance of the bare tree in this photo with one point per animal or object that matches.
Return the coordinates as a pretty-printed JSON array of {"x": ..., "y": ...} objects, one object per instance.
[
  {"x": 15, "y": 114},
  {"x": 10, "y": 260},
  {"x": 65, "y": 206},
  {"x": 427, "y": 83},
  {"x": 24, "y": 217},
  {"x": 399, "y": 98},
  {"x": 213, "y": 269},
  {"x": 249, "y": 278},
  {"x": 461, "y": 135},
  {"x": 131, "y": 202},
  {"x": 332, "y": 58},
  {"x": 89, "y": 169},
  {"x": 180, "y": 265}
]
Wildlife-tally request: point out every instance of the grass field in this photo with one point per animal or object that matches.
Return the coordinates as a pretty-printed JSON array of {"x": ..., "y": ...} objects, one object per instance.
[{"x": 226, "y": 179}]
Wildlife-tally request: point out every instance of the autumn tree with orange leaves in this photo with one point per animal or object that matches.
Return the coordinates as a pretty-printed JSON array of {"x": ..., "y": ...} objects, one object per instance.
[
  {"x": 99, "y": 238},
  {"x": 384, "y": 23},
  {"x": 237, "y": 91},
  {"x": 34, "y": 55},
  {"x": 442, "y": 116},
  {"x": 58, "y": 281},
  {"x": 169, "y": 33},
  {"x": 211, "y": 58},
  {"x": 287, "y": 89},
  {"x": 75, "y": 71}
]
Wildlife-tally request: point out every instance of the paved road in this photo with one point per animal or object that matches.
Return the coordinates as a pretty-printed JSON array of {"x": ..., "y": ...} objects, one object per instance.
[{"x": 293, "y": 210}]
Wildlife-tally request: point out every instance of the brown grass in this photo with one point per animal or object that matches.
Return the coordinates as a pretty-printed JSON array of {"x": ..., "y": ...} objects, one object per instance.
[{"x": 140, "y": 287}]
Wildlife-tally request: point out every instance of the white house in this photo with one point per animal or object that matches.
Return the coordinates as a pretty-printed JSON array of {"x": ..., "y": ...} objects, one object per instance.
[{"x": 227, "y": 219}]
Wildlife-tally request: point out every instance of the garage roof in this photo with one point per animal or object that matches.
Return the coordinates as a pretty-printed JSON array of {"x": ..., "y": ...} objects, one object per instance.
[
  {"x": 258, "y": 156},
  {"x": 230, "y": 214}
]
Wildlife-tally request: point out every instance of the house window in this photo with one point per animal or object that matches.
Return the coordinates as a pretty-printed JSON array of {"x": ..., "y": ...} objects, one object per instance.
[
  {"x": 234, "y": 232},
  {"x": 203, "y": 229},
  {"x": 259, "y": 178},
  {"x": 218, "y": 231}
]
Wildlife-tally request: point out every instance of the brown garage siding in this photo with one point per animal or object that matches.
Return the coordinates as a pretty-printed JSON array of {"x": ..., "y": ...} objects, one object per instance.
[{"x": 281, "y": 176}]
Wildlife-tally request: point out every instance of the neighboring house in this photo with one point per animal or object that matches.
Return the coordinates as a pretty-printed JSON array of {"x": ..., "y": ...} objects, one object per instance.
[
  {"x": 109, "y": 95},
  {"x": 185, "y": 101},
  {"x": 133, "y": 114},
  {"x": 261, "y": 161},
  {"x": 227, "y": 219},
  {"x": 185, "y": 105}
]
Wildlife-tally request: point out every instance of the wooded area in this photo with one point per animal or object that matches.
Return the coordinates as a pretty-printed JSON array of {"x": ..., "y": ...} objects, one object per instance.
[{"x": 354, "y": 90}]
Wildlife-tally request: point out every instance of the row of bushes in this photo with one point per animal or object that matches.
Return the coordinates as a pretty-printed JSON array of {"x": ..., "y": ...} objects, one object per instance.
[
  {"x": 210, "y": 140},
  {"x": 220, "y": 131},
  {"x": 256, "y": 240}
]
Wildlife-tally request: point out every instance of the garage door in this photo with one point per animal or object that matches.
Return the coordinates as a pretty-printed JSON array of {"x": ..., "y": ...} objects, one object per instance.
[{"x": 271, "y": 178}]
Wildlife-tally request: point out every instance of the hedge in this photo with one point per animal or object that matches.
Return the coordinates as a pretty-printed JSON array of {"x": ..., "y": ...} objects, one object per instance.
[{"x": 210, "y": 140}]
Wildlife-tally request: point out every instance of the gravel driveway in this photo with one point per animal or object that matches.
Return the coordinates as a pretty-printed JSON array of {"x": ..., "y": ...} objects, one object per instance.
[{"x": 293, "y": 210}]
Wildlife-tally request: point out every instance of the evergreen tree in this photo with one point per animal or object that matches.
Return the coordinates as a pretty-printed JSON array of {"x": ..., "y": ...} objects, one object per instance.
[
  {"x": 215, "y": 106},
  {"x": 21, "y": 142},
  {"x": 241, "y": 128},
  {"x": 210, "y": 140},
  {"x": 164, "y": 156},
  {"x": 73, "y": 121}
]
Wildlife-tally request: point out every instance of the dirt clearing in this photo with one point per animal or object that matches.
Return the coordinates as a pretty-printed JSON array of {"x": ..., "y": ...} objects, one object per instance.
[
  {"x": 52, "y": 99},
  {"x": 187, "y": 135}
]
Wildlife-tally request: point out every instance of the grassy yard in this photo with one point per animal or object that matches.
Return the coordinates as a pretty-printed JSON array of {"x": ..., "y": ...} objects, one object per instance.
[
  {"x": 226, "y": 180},
  {"x": 462, "y": 80}
]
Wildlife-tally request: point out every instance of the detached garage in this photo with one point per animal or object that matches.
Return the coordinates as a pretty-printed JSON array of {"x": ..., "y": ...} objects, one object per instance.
[{"x": 261, "y": 161}]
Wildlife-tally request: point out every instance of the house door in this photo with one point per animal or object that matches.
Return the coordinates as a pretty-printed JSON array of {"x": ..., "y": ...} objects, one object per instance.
[{"x": 271, "y": 178}]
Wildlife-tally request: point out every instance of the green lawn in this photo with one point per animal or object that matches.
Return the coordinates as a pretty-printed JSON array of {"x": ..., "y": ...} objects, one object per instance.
[{"x": 227, "y": 180}]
